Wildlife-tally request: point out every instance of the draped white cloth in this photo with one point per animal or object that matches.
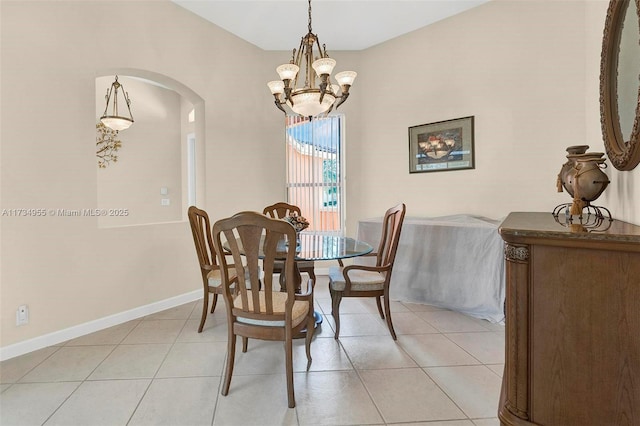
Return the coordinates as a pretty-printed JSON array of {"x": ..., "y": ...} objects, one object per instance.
[{"x": 454, "y": 262}]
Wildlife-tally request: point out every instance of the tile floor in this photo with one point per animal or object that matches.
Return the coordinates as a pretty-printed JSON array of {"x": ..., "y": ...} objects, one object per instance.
[{"x": 444, "y": 370}]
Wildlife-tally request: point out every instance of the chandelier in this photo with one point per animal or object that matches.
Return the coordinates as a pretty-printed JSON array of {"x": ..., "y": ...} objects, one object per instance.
[
  {"x": 111, "y": 118},
  {"x": 311, "y": 99}
]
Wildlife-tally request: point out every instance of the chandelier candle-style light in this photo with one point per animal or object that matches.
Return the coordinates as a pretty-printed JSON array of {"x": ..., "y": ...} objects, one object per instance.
[
  {"x": 111, "y": 117},
  {"x": 311, "y": 99}
]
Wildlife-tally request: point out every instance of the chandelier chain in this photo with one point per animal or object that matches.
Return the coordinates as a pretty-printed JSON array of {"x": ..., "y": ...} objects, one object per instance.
[{"x": 310, "y": 16}]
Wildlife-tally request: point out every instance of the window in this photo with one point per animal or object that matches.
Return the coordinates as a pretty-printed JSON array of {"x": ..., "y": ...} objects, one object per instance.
[{"x": 314, "y": 179}]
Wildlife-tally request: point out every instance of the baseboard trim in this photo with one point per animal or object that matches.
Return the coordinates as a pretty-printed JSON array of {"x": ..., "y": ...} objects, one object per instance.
[{"x": 63, "y": 335}]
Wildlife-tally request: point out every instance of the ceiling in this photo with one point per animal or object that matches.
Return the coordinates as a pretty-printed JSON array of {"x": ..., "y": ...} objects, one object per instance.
[{"x": 340, "y": 24}]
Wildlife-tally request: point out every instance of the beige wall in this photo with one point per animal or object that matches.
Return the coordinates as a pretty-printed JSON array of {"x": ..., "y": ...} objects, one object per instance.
[
  {"x": 527, "y": 70},
  {"x": 68, "y": 270},
  {"x": 150, "y": 158}
]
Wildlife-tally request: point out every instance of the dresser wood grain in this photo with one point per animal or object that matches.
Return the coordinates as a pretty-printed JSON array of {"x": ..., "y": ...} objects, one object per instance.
[{"x": 572, "y": 324}]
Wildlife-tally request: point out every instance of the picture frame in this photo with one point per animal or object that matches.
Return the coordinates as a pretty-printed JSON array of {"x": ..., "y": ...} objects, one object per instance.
[{"x": 442, "y": 146}]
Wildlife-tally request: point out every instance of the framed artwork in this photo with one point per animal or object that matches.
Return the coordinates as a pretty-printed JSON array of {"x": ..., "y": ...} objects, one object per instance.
[{"x": 441, "y": 146}]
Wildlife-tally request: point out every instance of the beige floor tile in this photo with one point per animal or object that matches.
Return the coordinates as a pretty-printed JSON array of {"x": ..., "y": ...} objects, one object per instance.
[
  {"x": 442, "y": 423},
  {"x": 262, "y": 357},
  {"x": 450, "y": 321},
  {"x": 155, "y": 331},
  {"x": 132, "y": 362},
  {"x": 373, "y": 352},
  {"x": 33, "y": 403},
  {"x": 255, "y": 400},
  {"x": 178, "y": 401},
  {"x": 324, "y": 329},
  {"x": 220, "y": 310},
  {"x": 327, "y": 354},
  {"x": 109, "y": 403},
  {"x": 419, "y": 307},
  {"x": 13, "y": 369},
  {"x": 109, "y": 336},
  {"x": 497, "y": 368},
  {"x": 360, "y": 325},
  {"x": 369, "y": 304},
  {"x": 333, "y": 398},
  {"x": 492, "y": 326},
  {"x": 194, "y": 359},
  {"x": 435, "y": 350},
  {"x": 179, "y": 312},
  {"x": 321, "y": 289},
  {"x": 348, "y": 305},
  {"x": 189, "y": 366},
  {"x": 475, "y": 389},
  {"x": 420, "y": 400},
  {"x": 69, "y": 363},
  {"x": 215, "y": 330},
  {"x": 486, "y": 422},
  {"x": 487, "y": 347},
  {"x": 410, "y": 323}
]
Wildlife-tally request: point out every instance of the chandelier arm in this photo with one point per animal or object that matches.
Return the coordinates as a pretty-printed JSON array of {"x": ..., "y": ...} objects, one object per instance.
[
  {"x": 115, "y": 99},
  {"x": 106, "y": 97},
  {"x": 342, "y": 98},
  {"x": 279, "y": 105},
  {"x": 128, "y": 101}
]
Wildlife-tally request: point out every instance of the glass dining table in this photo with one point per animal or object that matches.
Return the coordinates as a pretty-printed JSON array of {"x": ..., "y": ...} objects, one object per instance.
[{"x": 312, "y": 246}]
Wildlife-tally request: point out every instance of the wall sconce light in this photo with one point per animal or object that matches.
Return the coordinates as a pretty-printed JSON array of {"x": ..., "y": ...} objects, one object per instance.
[{"x": 111, "y": 117}]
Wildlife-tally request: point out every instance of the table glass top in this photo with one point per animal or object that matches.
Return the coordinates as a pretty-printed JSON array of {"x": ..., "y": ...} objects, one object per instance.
[{"x": 329, "y": 247}]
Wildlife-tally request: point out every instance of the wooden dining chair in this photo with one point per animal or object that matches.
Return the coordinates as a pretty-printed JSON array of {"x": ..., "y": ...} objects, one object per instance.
[
  {"x": 209, "y": 268},
  {"x": 370, "y": 281},
  {"x": 280, "y": 211},
  {"x": 262, "y": 313}
]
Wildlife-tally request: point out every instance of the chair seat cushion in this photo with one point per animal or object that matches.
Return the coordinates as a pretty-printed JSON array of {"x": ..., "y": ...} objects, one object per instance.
[
  {"x": 360, "y": 280},
  {"x": 214, "y": 277},
  {"x": 298, "y": 314}
]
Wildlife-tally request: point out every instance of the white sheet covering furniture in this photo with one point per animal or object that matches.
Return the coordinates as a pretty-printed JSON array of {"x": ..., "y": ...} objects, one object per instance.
[{"x": 454, "y": 262}]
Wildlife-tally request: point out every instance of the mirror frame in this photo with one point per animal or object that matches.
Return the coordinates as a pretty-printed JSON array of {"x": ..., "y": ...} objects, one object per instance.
[{"x": 624, "y": 155}]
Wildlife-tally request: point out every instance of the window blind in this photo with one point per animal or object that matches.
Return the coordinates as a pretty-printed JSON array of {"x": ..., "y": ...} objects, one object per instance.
[{"x": 314, "y": 176}]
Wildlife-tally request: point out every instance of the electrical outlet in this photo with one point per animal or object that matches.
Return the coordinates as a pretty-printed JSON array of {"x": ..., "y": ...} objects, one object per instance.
[
  {"x": 22, "y": 315},
  {"x": 165, "y": 201}
]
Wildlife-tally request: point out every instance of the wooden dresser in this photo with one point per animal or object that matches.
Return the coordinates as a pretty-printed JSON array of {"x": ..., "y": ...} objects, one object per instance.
[{"x": 572, "y": 324}]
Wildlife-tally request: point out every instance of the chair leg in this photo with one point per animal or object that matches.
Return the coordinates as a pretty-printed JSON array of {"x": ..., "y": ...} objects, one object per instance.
[
  {"x": 288, "y": 348},
  {"x": 231, "y": 355},
  {"x": 214, "y": 302},
  {"x": 205, "y": 308},
  {"x": 311, "y": 326},
  {"x": 379, "y": 307},
  {"x": 388, "y": 311},
  {"x": 245, "y": 343},
  {"x": 336, "y": 298}
]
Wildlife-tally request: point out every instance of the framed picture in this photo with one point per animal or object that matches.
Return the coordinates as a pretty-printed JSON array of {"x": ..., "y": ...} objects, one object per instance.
[{"x": 445, "y": 145}]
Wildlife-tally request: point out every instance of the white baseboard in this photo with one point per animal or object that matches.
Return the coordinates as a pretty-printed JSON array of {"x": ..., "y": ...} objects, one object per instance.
[{"x": 60, "y": 336}]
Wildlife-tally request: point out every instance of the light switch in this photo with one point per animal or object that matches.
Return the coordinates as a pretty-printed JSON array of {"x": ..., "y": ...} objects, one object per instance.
[{"x": 164, "y": 190}]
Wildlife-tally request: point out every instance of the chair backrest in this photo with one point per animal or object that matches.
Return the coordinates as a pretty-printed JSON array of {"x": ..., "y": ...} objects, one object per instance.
[
  {"x": 257, "y": 238},
  {"x": 201, "y": 230},
  {"x": 391, "y": 228},
  {"x": 281, "y": 210}
]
